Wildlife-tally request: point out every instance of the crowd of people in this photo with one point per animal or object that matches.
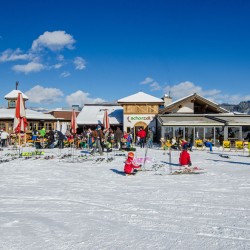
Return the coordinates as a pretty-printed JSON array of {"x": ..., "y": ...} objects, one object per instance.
[{"x": 98, "y": 139}]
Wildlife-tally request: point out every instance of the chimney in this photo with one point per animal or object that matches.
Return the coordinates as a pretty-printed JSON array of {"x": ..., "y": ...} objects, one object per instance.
[{"x": 167, "y": 100}]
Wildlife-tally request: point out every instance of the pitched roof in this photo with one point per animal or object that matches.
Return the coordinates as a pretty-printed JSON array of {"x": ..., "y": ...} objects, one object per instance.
[
  {"x": 229, "y": 119},
  {"x": 30, "y": 114},
  {"x": 92, "y": 115},
  {"x": 65, "y": 114},
  {"x": 196, "y": 98},
  {"x": 14, "y": 94},
  {"x": 140, "y": 97}
]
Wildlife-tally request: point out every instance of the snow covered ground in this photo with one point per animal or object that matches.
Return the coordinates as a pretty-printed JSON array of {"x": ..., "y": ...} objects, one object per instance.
[{"x": 73, "y": 203}]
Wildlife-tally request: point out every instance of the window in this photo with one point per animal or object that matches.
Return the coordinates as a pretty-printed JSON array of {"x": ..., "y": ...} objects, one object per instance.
[
  {"x": 2, "y": 125},
  {"x": 40, "y": 125},
  {"x": 32, "y": 126},
  {"x": 48, "y": 126},
  {"x": 12, "y": 104}
]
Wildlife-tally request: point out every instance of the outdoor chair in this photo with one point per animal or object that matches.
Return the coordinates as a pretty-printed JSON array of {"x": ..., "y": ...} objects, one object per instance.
[
  {"x": 226, "y": 145},
  {"x": 239, "y": 145},
  {"x": 199, "y": 144}
]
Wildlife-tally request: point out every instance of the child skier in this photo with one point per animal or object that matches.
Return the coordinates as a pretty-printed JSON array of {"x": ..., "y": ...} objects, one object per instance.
[
  {"x": 130, "y": 166},
  {"x": 185, "y": 159}
]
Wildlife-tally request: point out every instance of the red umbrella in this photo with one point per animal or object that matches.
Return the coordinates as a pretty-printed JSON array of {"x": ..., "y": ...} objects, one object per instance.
[
  {"x": 73, "y": 122},
  {"x": 106, "y": 120},
  {"x": 20, "y": 121}
]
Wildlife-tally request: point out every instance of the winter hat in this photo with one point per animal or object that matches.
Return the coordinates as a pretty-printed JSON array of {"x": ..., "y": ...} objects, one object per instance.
[{"x": 131, "y": 154}]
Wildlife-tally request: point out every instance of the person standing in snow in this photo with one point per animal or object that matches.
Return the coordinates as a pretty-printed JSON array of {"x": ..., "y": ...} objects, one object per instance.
[
  {"x": 99, "y": 137},
  {"x": 150, "y": 137},
  {"x": 42, "y": 133},
  {"x": 118, "y": 137},
  {"x": 4, "y": 136},
  {"x": 142, "y": 134},
  {"x": 130, "y": 166},
  {"x": 61, "y": 138}
]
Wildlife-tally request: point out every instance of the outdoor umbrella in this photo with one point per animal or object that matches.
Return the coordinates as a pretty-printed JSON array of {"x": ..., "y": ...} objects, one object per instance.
[
  {"x": 20, "y": 121},
  {"x": 73, "y": 122},
  {"x": 106, "y": 120},
  {"x": 58, "y": 126},
  {"x": 64, "y": 128}
]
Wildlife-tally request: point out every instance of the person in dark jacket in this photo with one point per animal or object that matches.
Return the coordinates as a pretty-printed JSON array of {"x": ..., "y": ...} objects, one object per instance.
[
  {"x": 61, "y": 138},
  {"x": 51, "y": 139},
  {"x": 118, "y": 137},
  {"x": 150, "y": 137},
  {"x": 99, "y": 138}
]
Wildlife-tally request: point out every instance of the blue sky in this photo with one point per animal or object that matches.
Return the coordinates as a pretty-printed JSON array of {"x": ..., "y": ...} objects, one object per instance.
[{"x": 74, "y": 52}]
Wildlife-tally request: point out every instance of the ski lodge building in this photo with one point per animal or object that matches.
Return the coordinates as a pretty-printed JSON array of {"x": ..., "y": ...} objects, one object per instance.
[{"x": 192, "y": 117}]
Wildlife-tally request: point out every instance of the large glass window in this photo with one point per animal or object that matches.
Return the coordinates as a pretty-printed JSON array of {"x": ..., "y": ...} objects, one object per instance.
[
  {"x": 209, "y": 133},
  {"x": 179, "y": 133},
  {"x": 199, "y": 133},
  {"x": 189, "y": 134},
  {"x": 168, "y": 133},
  {"x": 219, "y": 136},
  {"x": 233, "y": 132}
]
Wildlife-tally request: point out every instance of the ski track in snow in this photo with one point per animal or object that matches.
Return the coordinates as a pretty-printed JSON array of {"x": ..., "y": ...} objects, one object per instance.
[{"x": 66, "y": 204}]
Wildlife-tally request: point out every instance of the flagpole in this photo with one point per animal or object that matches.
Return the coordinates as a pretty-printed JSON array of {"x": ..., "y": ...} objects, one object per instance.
[{"x": 19, "y": 139}]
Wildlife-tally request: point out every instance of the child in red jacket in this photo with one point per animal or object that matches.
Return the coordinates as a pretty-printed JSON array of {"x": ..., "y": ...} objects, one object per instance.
[
  {"x": 185, "y": 159},
  {"x": 130, "y": 166}
]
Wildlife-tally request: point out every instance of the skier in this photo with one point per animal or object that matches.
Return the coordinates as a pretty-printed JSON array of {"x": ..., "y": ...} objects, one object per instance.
[{"x": 131, "y": 167}]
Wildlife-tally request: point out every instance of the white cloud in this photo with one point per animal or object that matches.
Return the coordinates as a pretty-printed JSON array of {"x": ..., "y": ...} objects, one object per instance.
[
  {"x": 57, "y": 66},
  {"x": 14, "y": 55},
  {"x": 147, "y": 80},
  {"x": 29, "y": 67},
  {"x": 187, "y": 88},
  {"x": 80, "y": 63},
  {"x": 80, "y": 98},
  {"x": 65, "y": 74},
  {"x": 41, "y": 95},
  {"x": 182, "y": 89},
  {"x": 60, "y": 58},
  {"x": 155, "y": 86},
  {"x": 55, "y": 41}
]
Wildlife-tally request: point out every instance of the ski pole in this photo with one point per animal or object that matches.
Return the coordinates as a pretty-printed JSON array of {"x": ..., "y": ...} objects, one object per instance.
[{"x": 170, "y": 165}]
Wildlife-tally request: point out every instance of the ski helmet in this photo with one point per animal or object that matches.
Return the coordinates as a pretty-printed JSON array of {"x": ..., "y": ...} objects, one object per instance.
[{"x": 131, "y": 154}]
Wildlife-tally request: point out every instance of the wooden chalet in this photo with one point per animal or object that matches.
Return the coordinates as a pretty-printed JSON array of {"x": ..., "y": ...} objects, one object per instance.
[{"x": 140, "y": 110}]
